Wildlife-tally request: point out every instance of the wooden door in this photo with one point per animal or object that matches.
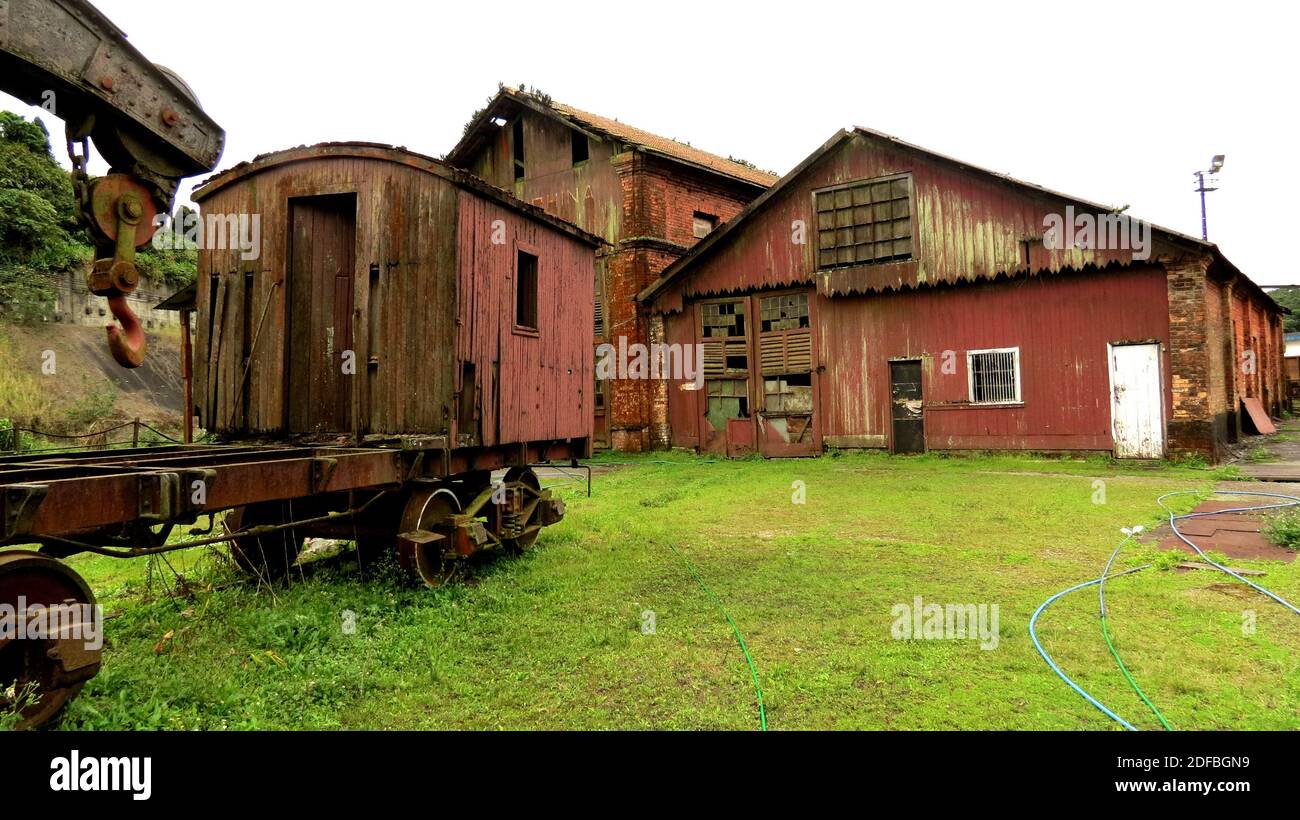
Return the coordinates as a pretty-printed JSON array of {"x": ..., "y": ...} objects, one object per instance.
[
  {"x": 321, "y": 357},
  {"x": 907, "y": 407},
  {"x": 1137, "y": 410}
]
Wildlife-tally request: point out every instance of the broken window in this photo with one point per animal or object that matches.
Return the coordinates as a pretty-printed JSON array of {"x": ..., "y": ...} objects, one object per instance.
[
  {"x": 785, "y": 353},
  {"x": 517, "y": 139},
  {"x": 864, "y": 222},
  {"x": 994, "y": 375},
  {"x": 526, "y": 291},
  {"x": 725, "y": 323},
  {"x": 788, "y": 312},
  {"x": 703, "y": 224},
  {"x": 728, "y": 399},
  {"x": 578, "y": 147},
  {"x": 726, "y": 361},
  {"x": 788, "y": 394}
]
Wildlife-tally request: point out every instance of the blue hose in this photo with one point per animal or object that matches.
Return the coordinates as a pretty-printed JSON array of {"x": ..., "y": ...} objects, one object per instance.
[
  {"x": 1290, "y": 501},
  {"x": 1076, "y": 687}
]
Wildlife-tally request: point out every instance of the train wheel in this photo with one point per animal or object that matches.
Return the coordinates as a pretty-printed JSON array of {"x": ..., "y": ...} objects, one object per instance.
[
  {"x": 44, "y": 660},
  {"x": 268, "y": 556},
  {"x": 528, "y": 478},
  {"x": 427, "y": 511}
]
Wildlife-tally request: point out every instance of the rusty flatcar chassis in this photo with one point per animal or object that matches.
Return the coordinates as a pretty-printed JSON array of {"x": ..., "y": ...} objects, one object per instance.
[{"x": 431, "y": 505}]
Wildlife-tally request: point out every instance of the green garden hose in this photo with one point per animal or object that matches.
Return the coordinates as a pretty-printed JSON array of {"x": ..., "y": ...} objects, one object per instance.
[
  {"x": 1105, "y": 632},
  {"x": 740, "y": 639}
]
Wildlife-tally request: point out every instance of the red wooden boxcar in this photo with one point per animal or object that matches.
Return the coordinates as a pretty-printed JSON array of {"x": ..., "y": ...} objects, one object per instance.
[{"x": 376, "y": 334}]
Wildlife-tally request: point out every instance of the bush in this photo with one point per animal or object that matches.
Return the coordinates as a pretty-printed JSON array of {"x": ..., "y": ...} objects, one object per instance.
[{"x": 1284, "y": 530}]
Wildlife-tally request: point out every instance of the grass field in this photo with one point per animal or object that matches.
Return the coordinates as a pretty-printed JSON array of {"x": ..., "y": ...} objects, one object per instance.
[{"x": 554, "y": 639}]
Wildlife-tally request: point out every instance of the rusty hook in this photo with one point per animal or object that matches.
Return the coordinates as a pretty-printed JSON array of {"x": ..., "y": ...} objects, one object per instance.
[{"x": 125, "y": 343}]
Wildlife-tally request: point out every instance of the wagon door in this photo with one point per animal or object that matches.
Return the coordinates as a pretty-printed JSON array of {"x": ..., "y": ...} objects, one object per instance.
[
  {"x": 1136, "y": 409},
  {"x": 322, "y": 252}
]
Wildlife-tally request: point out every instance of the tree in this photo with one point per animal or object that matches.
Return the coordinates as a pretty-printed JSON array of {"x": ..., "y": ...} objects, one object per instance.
[
  {"x": 40, "y": 235},
  {"x": 1289, "y": 298}
]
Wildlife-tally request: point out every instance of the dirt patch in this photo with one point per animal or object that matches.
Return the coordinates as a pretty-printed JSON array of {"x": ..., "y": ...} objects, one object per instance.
[
  {"x": 83, "y": 368},
  {"x": 1236, "y": 535}
]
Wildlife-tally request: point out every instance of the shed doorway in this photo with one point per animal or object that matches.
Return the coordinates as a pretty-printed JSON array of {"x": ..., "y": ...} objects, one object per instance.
[
  {"x": 322, "y": 256},
  {"x": 907, "y": 418}
]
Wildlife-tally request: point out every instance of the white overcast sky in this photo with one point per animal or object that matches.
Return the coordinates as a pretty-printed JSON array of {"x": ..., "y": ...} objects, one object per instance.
[{"x": 1113, "y": 102}]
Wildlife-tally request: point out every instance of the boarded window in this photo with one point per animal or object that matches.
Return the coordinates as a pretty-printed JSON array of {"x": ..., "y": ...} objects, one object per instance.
[
  {"x": 703, "y": 224},
  {"x": 578, "y": 147},
  {"x": 864, "y": 222},
  {"x": 526, "y": 291},
  {"x": 994, "y": 375},
  {"x": 600, "y": 318}
]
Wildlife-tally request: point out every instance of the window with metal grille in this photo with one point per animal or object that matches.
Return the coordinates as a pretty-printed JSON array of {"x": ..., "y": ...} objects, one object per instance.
[
  {"x": 994, "y": 375},
  {"x": 864, "y": 222}
]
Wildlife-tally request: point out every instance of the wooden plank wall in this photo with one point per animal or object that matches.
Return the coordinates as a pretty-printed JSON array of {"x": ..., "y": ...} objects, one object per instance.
[
  {"x": 405, "y": 233},
  {"x": 533, "y": 387}
]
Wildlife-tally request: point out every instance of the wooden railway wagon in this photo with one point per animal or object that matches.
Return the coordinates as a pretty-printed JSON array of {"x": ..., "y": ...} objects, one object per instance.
[{"x": 394, "y": 332}]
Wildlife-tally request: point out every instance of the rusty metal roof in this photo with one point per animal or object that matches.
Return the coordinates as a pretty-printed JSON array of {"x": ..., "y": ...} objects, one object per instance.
[
  {"x": 390, "y": 153},
  {"x": 717, "y": 237},
  {"x": 586, "y": 121}
]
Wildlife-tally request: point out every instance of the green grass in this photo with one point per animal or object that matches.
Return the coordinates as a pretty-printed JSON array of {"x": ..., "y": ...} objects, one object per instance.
[{"x": 553, "y": 639}]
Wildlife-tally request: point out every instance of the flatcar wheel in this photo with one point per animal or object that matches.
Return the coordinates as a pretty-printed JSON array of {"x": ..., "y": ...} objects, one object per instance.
[
  {"x": 525, "y": 476},
  {"x": 268, "y": 556},
  {"x": 44, "y": 660},
  {"x": 428, "y": 511}
]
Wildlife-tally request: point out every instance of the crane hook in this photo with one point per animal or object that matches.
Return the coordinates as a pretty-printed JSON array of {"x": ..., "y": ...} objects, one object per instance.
[{"x": 127, "y": 343}]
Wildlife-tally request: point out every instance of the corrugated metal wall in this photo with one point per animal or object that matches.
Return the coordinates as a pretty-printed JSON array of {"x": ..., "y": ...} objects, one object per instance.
[{"x": 1061, "y": 324}]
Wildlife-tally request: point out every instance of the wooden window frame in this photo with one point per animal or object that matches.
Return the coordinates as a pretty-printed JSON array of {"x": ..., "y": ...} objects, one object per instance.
[
  {"x": 516, "y": 328},
  {"x": 857, "y": 183}
]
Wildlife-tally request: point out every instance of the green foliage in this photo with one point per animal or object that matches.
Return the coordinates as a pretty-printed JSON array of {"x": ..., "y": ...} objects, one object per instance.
[
  {"x": 39, "y": 233},
  {"x": 1284, "y": 530},
  {"x": 1289, "y": 297}
]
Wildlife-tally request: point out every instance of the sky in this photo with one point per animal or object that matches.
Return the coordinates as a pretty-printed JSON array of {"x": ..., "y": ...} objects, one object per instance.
[{"x": 1118, "y": 103}]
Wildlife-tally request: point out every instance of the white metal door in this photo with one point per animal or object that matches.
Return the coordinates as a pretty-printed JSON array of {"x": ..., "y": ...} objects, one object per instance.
[{"x": 1136, "y": 409}]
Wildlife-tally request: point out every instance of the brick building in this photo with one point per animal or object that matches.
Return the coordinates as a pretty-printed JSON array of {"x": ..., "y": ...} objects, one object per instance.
[
  {"x": 650, "y": 197},
  {"x": 881, "y": 295}
]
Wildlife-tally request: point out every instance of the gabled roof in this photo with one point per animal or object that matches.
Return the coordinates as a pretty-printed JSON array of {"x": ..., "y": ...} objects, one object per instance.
[
  {"x": 717, "y": 237},
  {"x": 398, "y": 154},
  {"x": 481, "y": 128}
]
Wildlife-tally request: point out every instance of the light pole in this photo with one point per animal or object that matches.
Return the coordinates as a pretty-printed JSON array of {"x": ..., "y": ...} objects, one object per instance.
[{"x": 1216, "y": 162}]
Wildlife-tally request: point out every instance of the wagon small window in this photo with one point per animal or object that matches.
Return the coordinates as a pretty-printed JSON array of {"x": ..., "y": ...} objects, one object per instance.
[
  {"x": 994, "y": 375},
  {"x": 864, "y": 222},
  {"x": 526, "y": 291}
]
